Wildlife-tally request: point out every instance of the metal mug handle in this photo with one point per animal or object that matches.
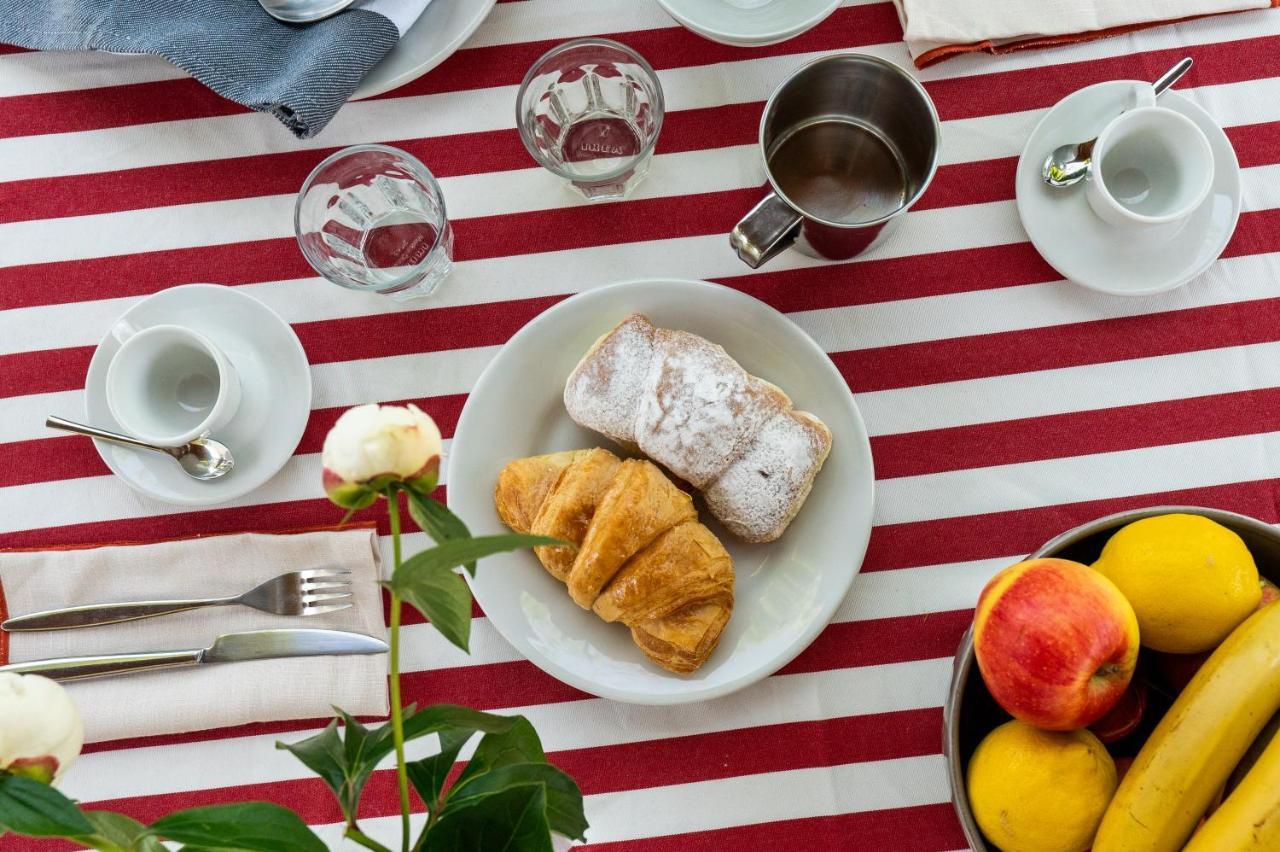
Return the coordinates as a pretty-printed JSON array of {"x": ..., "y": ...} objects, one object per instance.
[{"x": 769, "y": 229}]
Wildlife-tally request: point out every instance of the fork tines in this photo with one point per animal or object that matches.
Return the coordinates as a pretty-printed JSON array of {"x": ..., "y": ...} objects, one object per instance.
[{"x": 320, "y": 586}]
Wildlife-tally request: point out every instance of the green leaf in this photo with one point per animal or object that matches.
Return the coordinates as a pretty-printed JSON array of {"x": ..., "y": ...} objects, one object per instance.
[
  {"x": 428, "y": 775},
  {"x": 326, "y": 755},
  {"x": 246, "y": 827},
  {"x": 114, "y": 832},
  {"x": 563, "y": 798},
  {"x": 518, "y": 744},
  {"x": 514, "y": 820},
  {"x": 435, "y": 519},
  {"x": 428, "y": 583},
  {"x": 38, "y": 810}
]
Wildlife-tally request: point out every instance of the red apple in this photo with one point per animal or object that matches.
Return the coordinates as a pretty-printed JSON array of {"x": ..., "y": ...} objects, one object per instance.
[
  {"x": 1125, "y": 716},
  {"x": 1056, "y": 642}
]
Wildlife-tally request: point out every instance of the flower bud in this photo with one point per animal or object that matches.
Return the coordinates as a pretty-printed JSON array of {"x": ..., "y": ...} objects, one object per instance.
[
  {"x": 373, "y": 446},
  {"x": 40, "y": 728}
]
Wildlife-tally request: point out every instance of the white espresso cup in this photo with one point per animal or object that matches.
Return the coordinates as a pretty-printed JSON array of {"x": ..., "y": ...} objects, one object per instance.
[
  {"x": 169, "y": 385},
  {"x": 1151, "y": 166}
]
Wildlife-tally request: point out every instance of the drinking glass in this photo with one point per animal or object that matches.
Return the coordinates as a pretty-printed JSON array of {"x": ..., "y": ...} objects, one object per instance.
[
  {"x": 372, "y": 218},
  {"x": 590, "y": 111}
]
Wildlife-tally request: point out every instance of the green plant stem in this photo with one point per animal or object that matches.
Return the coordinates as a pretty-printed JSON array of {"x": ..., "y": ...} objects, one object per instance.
[
  {"x": 397, "y": 717},
  {"x": 358, "y": 836}
]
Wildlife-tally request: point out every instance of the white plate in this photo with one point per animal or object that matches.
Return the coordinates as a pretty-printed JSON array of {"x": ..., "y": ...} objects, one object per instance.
[
  {"x": 785, "y": 592},
  {"x": 441, "y": 29},
  {"x": 1126, "y": 262},
  {"x": 749, "y": 23},
  {"x": 275, "y": 400}
]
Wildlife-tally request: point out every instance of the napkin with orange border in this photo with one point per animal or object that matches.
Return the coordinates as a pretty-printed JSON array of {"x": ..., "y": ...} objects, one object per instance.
[
  {"x": 939, "y": 29},
  {"x": 209, "y": 696}
]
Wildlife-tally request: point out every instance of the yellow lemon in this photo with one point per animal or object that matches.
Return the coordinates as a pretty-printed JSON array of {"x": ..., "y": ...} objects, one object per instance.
[
  {"x": 1040, "y": 791},
  {"x": 1190, "y": 580}
]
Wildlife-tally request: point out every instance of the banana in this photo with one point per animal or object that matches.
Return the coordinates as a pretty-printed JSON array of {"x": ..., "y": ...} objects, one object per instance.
[
  {"x": 1250, "y": 817},
  {"x": 1191, "y": 752}
]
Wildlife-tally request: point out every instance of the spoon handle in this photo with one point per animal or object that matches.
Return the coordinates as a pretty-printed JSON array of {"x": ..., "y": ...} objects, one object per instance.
[
  {"x": 54, "y": 422},
  {"x": 1172, "y": 76}
]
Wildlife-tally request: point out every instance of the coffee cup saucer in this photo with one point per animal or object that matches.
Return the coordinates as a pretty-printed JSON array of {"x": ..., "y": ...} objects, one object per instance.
[
  {"x": 275, "y": 382},
  {"x": 1126, "y": 262}
]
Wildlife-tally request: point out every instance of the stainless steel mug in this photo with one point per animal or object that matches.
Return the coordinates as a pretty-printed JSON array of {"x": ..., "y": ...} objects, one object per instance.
[{"x": 850, "y": 142}]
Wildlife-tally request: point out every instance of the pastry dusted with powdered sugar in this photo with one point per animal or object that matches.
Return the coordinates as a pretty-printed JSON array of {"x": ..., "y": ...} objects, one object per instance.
[{"x": 685, "y": 403}]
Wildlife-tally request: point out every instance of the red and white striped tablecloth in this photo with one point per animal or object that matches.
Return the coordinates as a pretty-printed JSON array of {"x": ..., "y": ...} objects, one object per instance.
[{"x": 1005, "y": 404}]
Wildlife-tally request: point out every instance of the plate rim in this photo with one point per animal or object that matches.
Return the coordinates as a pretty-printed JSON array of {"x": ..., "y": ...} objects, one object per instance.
[
  {"x": 364, "y": 92},
  {"x": 100, "y": 360},
  {"x": 826, "y": 610},
  {"x": 1026, "y": 161}
]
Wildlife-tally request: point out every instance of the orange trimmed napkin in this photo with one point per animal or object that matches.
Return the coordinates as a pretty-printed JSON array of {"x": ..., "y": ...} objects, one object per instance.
[
  {"x": 938, "y": 29},
  {"x": 209, "y": 696}
]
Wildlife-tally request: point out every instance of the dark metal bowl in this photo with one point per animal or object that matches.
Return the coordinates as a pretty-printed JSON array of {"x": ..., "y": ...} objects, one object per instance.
[{"x": 970, "y": 713}]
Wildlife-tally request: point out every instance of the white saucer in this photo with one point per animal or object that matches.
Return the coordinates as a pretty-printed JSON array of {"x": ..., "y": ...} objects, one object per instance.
[
  {"x": 275, "y": 402},
  {"x": 769, "y": 22},
  {"x": 785, "y": 592},
  {"x": 1089, "y": 252}
]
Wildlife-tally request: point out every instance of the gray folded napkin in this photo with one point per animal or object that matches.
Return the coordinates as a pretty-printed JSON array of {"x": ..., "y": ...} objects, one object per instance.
[{"x": 301, "y": 74}]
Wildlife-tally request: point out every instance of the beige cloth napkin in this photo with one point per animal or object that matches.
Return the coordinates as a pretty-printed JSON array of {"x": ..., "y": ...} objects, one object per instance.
[
  {"x": 937, "y": 29},
  {"x": 207, "y": 696}
]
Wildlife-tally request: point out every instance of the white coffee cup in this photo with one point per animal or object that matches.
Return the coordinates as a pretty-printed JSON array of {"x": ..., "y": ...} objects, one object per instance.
[
  {"x": 169, "y": 385},
  {"x": 1151, "y": 166}
]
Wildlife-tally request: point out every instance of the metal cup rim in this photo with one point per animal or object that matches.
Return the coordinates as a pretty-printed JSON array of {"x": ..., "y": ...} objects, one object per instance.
[{"x": 892, "y": 67}]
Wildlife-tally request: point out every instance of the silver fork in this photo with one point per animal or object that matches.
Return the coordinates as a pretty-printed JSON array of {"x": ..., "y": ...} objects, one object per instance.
[{"x": 312, "y": 592}]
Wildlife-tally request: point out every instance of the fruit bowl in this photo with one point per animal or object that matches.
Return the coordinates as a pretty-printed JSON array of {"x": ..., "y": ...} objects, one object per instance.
[{"x": 970, "y": 712}]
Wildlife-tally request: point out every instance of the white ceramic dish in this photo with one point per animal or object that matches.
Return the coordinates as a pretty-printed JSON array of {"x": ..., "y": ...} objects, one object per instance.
[
  {"x": 749, "y": 23},
  {"x": 786, "y": 591},
  {"x": 442, "y": 28},
  {"x": 1124, "y": 262},
  {"x": 275, "y": 401}
]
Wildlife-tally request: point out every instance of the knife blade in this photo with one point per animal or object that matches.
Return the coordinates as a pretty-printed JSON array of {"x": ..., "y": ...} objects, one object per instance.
[{"x": 227, "y": 648}]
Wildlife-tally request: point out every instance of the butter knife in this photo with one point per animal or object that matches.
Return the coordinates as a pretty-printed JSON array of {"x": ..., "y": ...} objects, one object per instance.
[{"x": 227, "y": 648}]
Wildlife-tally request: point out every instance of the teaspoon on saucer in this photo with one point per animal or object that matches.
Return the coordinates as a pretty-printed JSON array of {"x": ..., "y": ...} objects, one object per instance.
[
  {"x": 203, "y": 458},
  {"x": 1067, "y": 164}
]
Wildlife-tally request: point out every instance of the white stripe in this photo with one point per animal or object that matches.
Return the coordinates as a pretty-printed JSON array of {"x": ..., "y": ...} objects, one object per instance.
[{"x": 588, "y": 723}]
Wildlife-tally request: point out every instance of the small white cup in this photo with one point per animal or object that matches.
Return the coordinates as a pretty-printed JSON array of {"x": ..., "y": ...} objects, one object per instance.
[
  {"x": 1151, "y": 166},
  {"x": 169, "y": 385}
]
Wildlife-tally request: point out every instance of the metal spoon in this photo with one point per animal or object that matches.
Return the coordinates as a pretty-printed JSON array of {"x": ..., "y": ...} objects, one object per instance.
[
  {"x": 1067, "y": 164},
  {"x": 303, "y": 11},
  {"x": 203, "y": 458}
]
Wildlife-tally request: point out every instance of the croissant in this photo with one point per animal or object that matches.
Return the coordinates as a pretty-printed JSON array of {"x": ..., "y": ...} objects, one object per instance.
[
  {"x": 686, "y": 404},
  {"x": 642, "y": 558}
]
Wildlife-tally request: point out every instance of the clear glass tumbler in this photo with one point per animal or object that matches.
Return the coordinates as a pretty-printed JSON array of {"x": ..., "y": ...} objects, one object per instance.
[
  {"x": 590, "y": 110},
  {"x": 372, "y": 218}
]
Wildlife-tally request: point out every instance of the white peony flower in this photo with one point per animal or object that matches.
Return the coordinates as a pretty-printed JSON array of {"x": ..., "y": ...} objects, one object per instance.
[
  {"x": 40, "y": 729},
  {"x": 372, "y": 446}
]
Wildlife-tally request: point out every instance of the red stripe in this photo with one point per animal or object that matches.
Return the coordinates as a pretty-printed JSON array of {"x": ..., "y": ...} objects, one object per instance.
[
  {"x": 1077, "y": 433},
  {"x": 627, "y": 766},
  {"x": 467, "y": 70},
  {"x": 1022, "y": 531},
  {"x": 283, "y": 173},
  {"x": 1055, "y": 347},
  {"x": 574, "y": 227},
  {"x": 880, "y": 368}
]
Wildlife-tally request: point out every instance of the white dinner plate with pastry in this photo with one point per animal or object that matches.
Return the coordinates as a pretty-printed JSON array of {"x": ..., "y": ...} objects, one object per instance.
[{"x": 710, "y": 465}]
